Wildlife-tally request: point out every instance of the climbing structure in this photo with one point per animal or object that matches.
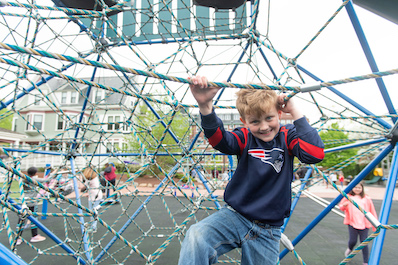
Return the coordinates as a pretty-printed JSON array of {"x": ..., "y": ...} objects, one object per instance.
[{"x": 112, "y": 80}]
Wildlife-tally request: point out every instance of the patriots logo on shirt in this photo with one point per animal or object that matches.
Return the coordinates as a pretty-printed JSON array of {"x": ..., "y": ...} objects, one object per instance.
[{"x": 274, "y": 157}]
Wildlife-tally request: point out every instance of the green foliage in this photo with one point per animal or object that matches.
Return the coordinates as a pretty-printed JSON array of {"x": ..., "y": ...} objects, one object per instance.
[
  {"x": 6, "y": 119},
  {"x": 149, "y": 129},
  {"x": 332, "y": 159},
  {"x": 14, "y": 189}
]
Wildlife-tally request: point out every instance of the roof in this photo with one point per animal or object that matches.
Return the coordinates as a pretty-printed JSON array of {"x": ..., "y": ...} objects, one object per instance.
[
  {"x": 9, "y": 131},
  {"x": 111, "y": 81},
  {"x": 384, "y": 8}
]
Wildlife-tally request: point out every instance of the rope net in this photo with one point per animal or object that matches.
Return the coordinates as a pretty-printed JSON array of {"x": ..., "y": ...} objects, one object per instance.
[{"x": 110, "y": 85}]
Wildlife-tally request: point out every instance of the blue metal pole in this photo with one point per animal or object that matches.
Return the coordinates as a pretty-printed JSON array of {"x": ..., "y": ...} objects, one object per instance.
[
  {"x": 377, "y": 247},
  {"x": 355, "y": 145},
  {"x": 267, "y": 62},
  {"x": 84, "y": 106},
  {"x": 231, "y": 164},
  {"x": 48, "y": 232},
  {"x": 204, "y": 182},
  {"x": 81, "y": 218},
  {"x": 26, "y": 91},
  {"x": 45, "y": 202},
  {"x": 369, "y": 56},
  {"x": 106, "y": 154},
  {"x": 297, "y": 197},
  {"x": 232, "y": 73},
  {"x": 353, "y": 183},
  {"x": 10, "y": 258},
  {"x": 349, "y": 100}
]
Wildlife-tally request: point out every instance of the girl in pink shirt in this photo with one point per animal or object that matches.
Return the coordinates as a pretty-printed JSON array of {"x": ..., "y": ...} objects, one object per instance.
[{"x": 357, "y": 223}]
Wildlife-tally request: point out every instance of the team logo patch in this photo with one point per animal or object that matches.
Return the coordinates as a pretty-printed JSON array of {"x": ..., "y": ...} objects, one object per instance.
[{"x": 274, "y": 157}]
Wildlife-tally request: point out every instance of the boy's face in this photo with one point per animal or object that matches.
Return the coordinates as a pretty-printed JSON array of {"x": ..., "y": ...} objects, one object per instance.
[{"x": 265, "y": 127}]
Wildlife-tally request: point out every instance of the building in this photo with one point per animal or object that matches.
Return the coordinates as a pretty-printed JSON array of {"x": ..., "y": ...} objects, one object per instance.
[{"x": 55, "y": 124}]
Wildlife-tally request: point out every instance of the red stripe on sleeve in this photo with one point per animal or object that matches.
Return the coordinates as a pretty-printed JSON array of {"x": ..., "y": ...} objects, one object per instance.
[
  {"x": 313, "y": 150},
  {"x": 241, "y": 145},
  {"x": 215, "y": 138},
  {"x": 292, "y": 144}
]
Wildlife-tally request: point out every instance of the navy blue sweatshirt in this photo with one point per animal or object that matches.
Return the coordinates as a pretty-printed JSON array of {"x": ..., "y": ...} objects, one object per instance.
[{"x": 260, "y": 188}]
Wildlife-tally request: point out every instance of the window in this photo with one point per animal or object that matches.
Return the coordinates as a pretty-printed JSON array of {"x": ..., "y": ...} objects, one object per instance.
[
  {"x": 64, "y": 123},
  {"x": 125, "y": 146},
  {"x": 60, "y": 123},
  {"x": 38, "y": 121},
  {"x": 108, "y": 147},
  {"x": 37, "y": 100},
  {"x": 114, "y": 123},
  {"x": 64, "y": 97},
  {"x": 69, "y": 97},
  {"x": 34, "y": 145},
  {"x": 14, "y": 124},
  {"x": 34, "y": 122},
  {"x": 55, "y": 146},
  {"x": 117, "y": 125},
  {"x": 98, "y": 96},
  {"x": 73, "y": 97},
  {"x": 113, "y": 146},
  {"x": 110, "y": 121}
]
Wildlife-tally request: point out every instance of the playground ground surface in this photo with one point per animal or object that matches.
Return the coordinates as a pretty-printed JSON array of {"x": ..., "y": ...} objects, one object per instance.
[{"x": 323, "y": 245}]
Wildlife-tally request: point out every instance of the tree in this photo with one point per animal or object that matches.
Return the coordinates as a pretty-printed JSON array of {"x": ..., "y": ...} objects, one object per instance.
[
  {"x": 331, "y": 139},
  {"x": 6, "y": 119},
  {"x": 149, "y": 129}
]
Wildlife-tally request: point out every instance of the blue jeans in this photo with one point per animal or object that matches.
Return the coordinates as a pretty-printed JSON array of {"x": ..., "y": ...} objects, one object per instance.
[
  {"x": 93, "y": 205},
  {"x": 226, "y": 230}
]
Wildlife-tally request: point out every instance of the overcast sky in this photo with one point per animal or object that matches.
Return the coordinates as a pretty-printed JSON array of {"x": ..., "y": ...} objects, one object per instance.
[{"x": 336, "y": 53}]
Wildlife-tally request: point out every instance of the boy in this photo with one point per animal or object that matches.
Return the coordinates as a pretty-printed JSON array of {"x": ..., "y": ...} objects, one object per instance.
[{"x": 258, "y": 196}]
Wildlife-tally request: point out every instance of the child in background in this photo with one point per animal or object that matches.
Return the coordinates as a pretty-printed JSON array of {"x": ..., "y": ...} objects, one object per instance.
[
  {"x": 31, "y": 194},
  {"x": 357, "y": 223},
  {"x": 110, "y": 176},
  {"x": 341, "y": 179},
  {"x": 95, "y": 195}
]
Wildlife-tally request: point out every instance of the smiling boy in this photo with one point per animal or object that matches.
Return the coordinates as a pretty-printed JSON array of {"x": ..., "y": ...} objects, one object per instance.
[{"x": 258, "y": 196}]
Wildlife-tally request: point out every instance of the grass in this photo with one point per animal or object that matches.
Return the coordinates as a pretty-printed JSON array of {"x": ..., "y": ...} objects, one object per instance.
[{"x": 14, "y": 189}]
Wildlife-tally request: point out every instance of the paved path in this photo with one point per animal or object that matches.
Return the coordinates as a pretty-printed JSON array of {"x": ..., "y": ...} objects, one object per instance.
[{"x": 376, "y": 192}]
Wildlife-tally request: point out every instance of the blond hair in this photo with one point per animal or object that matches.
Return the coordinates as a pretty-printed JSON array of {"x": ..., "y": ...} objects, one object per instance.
[
  {"x": 89, "y": 173},
  {"x": 256, "y": 102}
]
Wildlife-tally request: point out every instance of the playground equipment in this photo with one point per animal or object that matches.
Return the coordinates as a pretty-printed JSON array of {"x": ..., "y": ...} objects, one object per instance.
[{"x": 114, "y": 77}]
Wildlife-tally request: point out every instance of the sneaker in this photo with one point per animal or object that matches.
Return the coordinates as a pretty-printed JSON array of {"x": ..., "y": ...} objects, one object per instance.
[
  {"x": 19, "y": 242},
  {"x": 37, "y": 238},
  {"x": 347, "y": 252}
]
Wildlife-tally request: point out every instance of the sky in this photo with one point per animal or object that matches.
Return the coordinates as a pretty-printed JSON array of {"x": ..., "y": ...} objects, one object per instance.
[{"x": 336, "y": 53}]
